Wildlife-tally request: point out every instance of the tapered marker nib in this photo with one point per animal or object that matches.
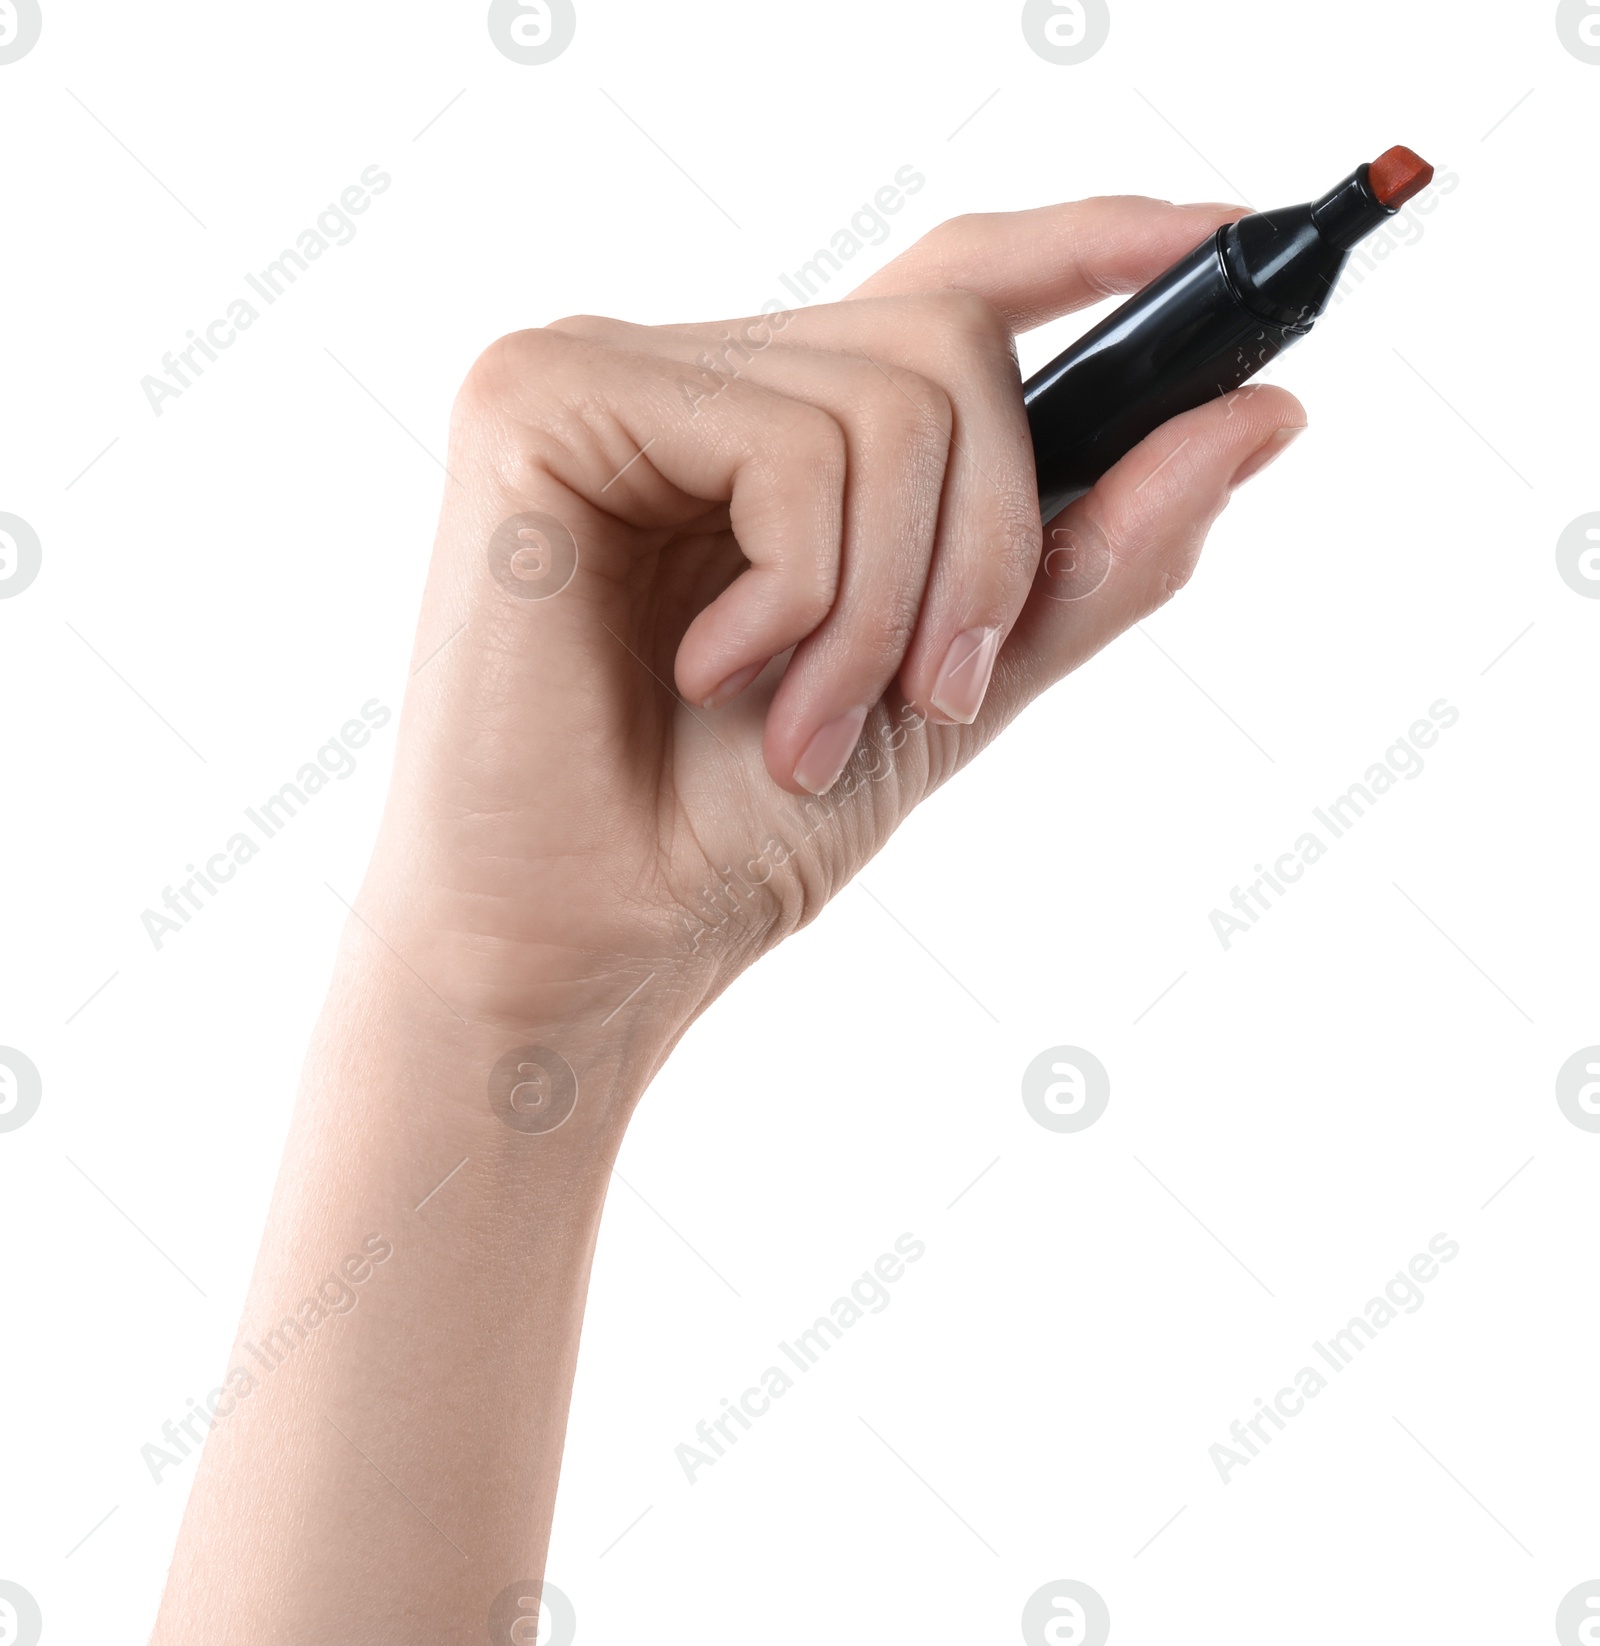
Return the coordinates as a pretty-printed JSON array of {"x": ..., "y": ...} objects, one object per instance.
[{"x": 1398, "y": 175}]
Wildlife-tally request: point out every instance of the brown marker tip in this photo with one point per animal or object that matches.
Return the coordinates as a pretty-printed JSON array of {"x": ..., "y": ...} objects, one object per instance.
[{"x": 1398, "y": 175}]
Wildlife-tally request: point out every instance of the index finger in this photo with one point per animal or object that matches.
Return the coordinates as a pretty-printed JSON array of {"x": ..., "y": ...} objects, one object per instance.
[{"x": 1033, "y": 266}]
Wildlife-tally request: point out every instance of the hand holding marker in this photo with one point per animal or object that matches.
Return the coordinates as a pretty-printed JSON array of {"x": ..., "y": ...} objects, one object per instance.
[{"x": 830, "y": 560}]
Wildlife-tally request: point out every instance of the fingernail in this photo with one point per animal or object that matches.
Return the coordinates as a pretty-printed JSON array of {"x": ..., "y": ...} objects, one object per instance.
[
  {"x": 1258, "y": 460},
  {"x": 964, "y": 676},
  {"x": 732, "y": 686},
  {"x": 829, "y": 751}
]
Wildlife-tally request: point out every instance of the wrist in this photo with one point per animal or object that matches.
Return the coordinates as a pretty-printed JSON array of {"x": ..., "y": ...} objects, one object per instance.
[
  {"x": 491, "y": 1042},
  {"x": 508, "y": 941}
]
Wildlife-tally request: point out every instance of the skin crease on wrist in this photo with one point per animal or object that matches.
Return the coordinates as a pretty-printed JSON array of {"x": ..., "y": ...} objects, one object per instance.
[{"x": 686, "y": 580}]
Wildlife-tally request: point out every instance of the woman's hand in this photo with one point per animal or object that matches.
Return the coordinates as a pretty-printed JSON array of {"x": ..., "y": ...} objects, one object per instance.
[
  {"x": 604, "y": 806},
  {"x": 688, "y": 577}
]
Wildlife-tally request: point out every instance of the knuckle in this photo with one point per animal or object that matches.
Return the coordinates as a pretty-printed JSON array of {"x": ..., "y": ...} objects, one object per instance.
[
  {"x": 497, "y": 375},
  {"x": 489, "y": 373},
  {"x": 955, "y": 234},
  {"x": 511, "y": 413},
  {"x": 917, "y": 408},
  {"x": 594, "y": 326},
  {"x": 817, "y": 436},
  {"x": 972, "y": 321}
]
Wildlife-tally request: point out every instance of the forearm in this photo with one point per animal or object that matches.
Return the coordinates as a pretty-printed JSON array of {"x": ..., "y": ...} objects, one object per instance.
[{"x": 389, "y": 1459}]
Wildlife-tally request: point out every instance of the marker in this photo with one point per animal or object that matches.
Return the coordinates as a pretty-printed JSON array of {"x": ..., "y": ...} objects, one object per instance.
[{"x": 1210, "y": 323}]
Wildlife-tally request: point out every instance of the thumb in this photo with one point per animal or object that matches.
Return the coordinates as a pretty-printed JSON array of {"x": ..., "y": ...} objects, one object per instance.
[{"x": 1127, "y": 547}]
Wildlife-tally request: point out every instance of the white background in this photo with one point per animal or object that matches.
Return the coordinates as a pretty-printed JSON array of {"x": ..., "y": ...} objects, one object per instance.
[{"x": 1341, "y": 1085}]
